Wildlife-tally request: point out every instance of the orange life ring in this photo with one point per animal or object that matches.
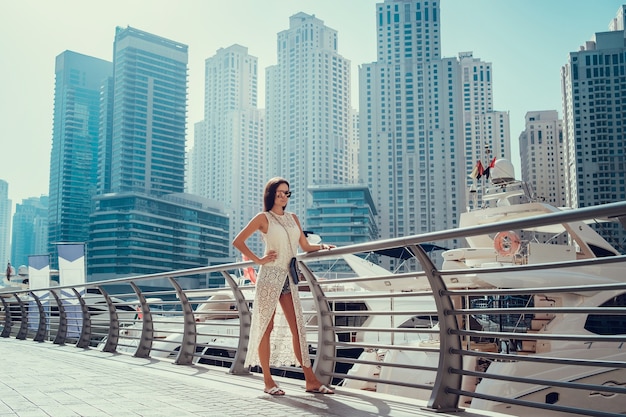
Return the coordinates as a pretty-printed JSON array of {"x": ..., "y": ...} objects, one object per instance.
[{"x": 506, "y": 243}]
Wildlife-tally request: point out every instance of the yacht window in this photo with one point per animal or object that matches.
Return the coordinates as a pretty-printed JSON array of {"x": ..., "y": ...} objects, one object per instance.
[
  {"x": 605, "y": 324},
  {"x": 421, "y": 322},
  {"x": 348, "y": 320},
  {"x": 600, "y": 252}
]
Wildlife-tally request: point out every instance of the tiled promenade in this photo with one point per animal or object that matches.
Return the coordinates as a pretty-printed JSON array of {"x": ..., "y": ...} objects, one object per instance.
[{"x": 44, "y": 379}]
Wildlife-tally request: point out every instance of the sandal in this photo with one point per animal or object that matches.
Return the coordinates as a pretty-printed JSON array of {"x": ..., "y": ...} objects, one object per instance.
[
  {"x": 322, "y": 389},
  {"x": 274, "y": 391}
]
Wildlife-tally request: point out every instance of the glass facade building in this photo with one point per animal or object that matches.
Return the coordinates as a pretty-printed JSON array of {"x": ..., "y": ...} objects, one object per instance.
[
  {"x": 142, "y": 222},
  {"x": 133, "y": 234},
  {"x": 149, "y": 114},
  {"x": 73, "y": 159},
  {"x": 342, "y": 214},
  {"x": 30, "y": 230}
]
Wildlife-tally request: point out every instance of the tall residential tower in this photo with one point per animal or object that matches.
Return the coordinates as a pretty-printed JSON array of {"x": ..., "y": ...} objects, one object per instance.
[
  {"x": 411, "y": 131},
  {"x": 486, "y": 131},
  {"x": 541, "y": 149},
  {"x": 308, "y": 110},
  {"x": 593, "y": 124},
  {"x": 228, "y": 163}
]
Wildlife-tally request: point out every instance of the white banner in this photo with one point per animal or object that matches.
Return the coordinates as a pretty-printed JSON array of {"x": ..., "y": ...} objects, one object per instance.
[
  {"x": 38, "y": 271},
  {"x": 71, "y": 263}
]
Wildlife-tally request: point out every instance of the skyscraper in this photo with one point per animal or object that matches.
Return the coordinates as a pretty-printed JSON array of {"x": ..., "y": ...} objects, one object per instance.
[
  {"x": 308, "y": 113},
  {"x": 5, "y": 223},
  {"x": 486, "y": 131},
  {"x": 30, "y": 230},
  {"x": 105, "y": 142},
  {"x": 411, "y": 132},
  {"x": 541, "y": 149},
  {"x": 73, "y": 159},
  {"x": 593, "y": 124},
  {"x": 228, "y": 163},
  {"x": 149, "y": 114},
  {"x": 143, "y": 222}
]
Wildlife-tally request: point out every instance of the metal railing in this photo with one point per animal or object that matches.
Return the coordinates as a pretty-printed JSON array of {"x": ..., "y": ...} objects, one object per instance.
[{"x": 423, "y": 343}]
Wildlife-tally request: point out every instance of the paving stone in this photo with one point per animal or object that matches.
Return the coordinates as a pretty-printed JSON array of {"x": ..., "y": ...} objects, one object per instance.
[{"x": 43, "y": 380}]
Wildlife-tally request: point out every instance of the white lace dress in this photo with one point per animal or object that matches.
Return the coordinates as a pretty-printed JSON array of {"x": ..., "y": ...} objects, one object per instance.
[{"x": 269, "y": 285}]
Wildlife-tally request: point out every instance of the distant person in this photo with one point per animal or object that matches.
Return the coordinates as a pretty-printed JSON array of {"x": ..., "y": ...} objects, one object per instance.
[
  {"x": 9, "y": 271},
  {"x": 281, "y": 232}
]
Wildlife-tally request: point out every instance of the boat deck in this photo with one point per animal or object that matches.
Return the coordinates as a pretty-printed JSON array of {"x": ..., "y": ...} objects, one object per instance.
[{"x": 44, "y": 379}]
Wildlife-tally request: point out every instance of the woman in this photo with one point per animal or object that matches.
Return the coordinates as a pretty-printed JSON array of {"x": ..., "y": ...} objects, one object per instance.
[{"x": 281, "y": 232}]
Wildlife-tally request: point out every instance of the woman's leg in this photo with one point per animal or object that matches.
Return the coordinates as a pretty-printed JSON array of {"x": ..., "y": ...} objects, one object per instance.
[
  {"x": 312, "y": 383},
  {"x": 264, "y": 356}
]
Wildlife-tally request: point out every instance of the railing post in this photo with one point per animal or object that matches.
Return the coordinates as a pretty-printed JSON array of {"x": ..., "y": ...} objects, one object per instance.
[
  {"x": 85, "y": 329},
  {"x": 6, "y": 331},
  {"x": 147, "y": 326},
  {"x": 61, "y": 335},
  {"x": 440, "y": 399},
  {"x": 23, "y": 331},
  {"x": 40, "y": 336},
  {"x": 245, "y": 321},
  {"x": 113, "y": 336},
  {"x": 323, "y": 367},
  {"x": 188, "y": 343}
]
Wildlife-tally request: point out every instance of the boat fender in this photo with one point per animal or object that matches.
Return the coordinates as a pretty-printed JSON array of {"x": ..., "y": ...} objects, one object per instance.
[{"x": 506, "y": 243}]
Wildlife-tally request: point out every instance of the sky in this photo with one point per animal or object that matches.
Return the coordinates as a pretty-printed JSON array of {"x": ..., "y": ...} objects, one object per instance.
[{"x": 527, "y": 42}]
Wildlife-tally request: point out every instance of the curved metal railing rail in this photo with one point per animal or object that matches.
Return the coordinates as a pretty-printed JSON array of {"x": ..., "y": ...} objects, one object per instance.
[{"x": 350, "y": 328}]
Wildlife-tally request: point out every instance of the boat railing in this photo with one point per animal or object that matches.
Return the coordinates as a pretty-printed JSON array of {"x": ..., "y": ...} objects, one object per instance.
[{"x": 421, "y": 312}]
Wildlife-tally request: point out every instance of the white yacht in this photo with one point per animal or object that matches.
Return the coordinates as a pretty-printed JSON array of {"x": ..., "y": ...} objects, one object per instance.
[
  {"x": 506, "y": 199},
  {"x": 217, "y": 323}
]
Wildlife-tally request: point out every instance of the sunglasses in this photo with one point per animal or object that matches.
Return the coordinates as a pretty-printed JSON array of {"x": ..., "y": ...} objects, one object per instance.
[{"x": 283, "y": 194}]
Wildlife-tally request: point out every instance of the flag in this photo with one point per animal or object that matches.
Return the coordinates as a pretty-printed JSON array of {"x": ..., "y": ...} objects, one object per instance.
[
  {"x": 478, "y": 171},
  {"x": 486, "y": 171}
]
